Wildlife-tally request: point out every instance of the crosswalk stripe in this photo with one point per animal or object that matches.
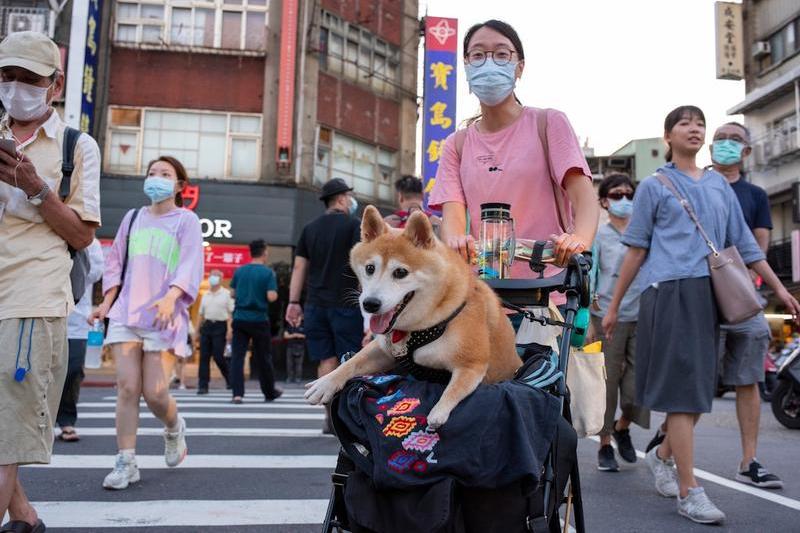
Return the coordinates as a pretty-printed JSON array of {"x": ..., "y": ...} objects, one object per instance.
[
  {"x": 210, "y": 432},
  {"x": 227, "y": 416},
  {"x": 293, "y": 393},
  {"x": 180, "y": 513},
  {"x": 197, "y": 461},
  {"x": 211, "y": 405},
  {"x": 227, "y": 399}
]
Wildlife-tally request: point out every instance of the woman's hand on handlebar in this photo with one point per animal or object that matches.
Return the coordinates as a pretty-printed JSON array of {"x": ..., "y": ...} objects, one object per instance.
[
  {"x": 566, "y": 245},
  {"x": 463, "y": 244}
]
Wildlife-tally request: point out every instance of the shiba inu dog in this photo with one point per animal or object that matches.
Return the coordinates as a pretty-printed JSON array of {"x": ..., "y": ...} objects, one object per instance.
[{"x": 411, "y": 284}]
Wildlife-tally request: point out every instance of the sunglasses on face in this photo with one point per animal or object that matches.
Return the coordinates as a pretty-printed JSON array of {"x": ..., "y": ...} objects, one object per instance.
[{"x": 620, "y": 195}]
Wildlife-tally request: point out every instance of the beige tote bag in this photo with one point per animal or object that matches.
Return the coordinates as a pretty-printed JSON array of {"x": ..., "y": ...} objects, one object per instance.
[{"x": 586, "y": 374}]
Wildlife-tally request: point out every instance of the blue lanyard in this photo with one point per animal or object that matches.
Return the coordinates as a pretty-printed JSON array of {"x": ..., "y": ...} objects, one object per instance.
[{"x": 19, "y": 373}]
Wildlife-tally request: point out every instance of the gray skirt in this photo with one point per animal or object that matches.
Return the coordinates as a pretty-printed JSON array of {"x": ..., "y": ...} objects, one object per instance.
[{"x": 676, "y": 348}]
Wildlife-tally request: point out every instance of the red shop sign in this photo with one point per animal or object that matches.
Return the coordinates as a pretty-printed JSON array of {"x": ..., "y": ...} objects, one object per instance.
[{"x": 226, "y": 257}]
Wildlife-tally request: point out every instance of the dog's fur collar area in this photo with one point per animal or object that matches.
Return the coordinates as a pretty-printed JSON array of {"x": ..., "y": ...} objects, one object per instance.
[{"x": 403, "y": 344}]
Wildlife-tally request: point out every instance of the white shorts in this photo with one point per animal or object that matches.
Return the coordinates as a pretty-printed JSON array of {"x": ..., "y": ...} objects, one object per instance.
[{"x": 151, "y": 340}]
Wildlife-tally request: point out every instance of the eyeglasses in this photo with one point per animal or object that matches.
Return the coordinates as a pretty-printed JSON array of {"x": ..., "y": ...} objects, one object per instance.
[
  {"x": 620, "y": 195},
  {"x": 501, "y": 57}
]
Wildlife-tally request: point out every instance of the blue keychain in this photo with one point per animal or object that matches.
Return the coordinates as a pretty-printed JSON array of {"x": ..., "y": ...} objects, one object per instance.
[{"x": 20, "y": 372}]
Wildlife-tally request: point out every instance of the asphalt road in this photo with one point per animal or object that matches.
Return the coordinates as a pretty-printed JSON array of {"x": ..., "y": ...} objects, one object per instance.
[{"x": 266, "y": 468}]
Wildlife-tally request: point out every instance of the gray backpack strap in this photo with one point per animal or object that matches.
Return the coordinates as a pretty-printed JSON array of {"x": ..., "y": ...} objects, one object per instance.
[{"x": 68, "y": 161}]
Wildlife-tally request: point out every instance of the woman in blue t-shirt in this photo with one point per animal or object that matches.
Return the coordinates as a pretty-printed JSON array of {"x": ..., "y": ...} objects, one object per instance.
[{"x": 676, "y": 361}]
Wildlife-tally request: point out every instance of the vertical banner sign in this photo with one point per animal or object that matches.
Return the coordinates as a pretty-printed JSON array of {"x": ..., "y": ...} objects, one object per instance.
[
  {"x": 439, "y": 101},
  {"x": 89, "y": 86},
  {"x": 730, "y": 53},
  {"x": 288, "y": 51}
]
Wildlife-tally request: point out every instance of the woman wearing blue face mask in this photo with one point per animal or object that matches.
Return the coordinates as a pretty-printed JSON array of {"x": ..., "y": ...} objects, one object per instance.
[
  {"x": 501, "y": 157},
  {"x": 153, "y": 273},
  {"x": 616, "y": 196}
]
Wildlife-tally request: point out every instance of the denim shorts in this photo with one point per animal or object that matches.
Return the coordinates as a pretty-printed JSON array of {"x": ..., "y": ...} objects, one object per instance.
[{"x": 332, "y": 331}]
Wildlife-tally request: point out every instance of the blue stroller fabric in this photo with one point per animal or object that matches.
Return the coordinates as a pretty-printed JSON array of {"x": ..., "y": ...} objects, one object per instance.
[{"x": 499, "y": 434}]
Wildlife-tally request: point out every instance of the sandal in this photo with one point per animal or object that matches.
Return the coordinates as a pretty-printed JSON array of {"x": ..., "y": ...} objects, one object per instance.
[
  {"x": 69, "y": 435},
  {"x": 20, "y": 526}
]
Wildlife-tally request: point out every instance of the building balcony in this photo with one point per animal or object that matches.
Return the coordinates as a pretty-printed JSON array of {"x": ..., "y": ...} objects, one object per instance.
[
  {"x": 14, "y": 19},
  {"x": 775, "y": 150}
]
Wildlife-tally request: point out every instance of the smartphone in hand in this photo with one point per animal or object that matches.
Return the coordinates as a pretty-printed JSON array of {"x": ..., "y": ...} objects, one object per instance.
[{"x": 9, "y": 147}]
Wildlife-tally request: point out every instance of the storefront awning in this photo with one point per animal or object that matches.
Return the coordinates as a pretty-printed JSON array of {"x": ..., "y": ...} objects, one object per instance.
[{"x": 764, "y": 95}]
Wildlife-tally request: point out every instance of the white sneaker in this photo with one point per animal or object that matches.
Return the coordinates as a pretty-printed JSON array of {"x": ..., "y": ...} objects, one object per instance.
[
  {"x": 664, "y": 472},
  {"x": 125, "y": 472},
  {"x": 175, "y": 445},
  {"x": 697, "y": 507}
]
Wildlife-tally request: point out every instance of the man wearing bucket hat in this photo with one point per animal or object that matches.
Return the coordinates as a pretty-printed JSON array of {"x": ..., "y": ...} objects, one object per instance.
[
  {"x": 332, "y": 318},
  {"x": 38, "y": 226}
]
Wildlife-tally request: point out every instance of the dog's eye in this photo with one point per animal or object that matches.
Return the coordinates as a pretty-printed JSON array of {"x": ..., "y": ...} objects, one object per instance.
[
  {"x": 399, "y": 273},
  {"x": 370, "y": 269}
]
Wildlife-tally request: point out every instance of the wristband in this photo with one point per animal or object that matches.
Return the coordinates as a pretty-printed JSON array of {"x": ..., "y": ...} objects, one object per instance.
[{"x": 294, "y": 303}]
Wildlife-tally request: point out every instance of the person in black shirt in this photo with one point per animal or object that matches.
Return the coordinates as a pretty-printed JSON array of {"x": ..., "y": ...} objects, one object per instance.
[
  {"x": 331, "y": 315},
  {"x": 744, "y": 346}
]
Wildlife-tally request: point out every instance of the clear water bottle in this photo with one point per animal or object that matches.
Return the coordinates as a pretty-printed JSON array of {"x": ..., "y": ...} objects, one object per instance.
[
  {"x": 94, "y": 346},
  {"x": 495, "y": 246}
]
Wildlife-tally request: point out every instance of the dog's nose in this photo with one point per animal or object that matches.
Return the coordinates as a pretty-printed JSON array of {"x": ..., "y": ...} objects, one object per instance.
[{"x": 371, "y": 305}]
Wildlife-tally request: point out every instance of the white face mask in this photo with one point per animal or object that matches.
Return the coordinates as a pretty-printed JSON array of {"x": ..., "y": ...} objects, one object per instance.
[{"x": 22, "y": 101}]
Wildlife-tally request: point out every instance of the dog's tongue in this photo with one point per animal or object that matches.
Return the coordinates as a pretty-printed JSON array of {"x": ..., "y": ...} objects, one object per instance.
[{"x": 379, "y": 323}]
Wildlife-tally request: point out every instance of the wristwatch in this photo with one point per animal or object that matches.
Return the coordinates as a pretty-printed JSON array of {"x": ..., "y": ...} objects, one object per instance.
[{"x": 38, "y": 198}]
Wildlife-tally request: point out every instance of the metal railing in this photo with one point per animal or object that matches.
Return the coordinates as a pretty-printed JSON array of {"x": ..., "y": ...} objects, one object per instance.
[{"x": 13, "y": 19}]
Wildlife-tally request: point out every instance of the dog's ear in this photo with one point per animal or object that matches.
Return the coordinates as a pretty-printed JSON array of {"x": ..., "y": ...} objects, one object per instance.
[
  {"x": 419, "y": 230},
  {"x": 372, "y": 224}
]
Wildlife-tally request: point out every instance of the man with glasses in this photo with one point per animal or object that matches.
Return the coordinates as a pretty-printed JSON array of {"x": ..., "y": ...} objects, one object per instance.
[{"x": 743, "y": 346}]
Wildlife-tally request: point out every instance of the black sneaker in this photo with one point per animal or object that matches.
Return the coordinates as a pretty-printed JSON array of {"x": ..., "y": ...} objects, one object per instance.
[
  {"x": 759, "y": 476},
  {"x": 277, "y": 393},
  {"x": 624, "y": 444},
  {"x": 202, "y": 391},
  {"x": 605, "y": 459},
  {"x": 656, "y": 440}
]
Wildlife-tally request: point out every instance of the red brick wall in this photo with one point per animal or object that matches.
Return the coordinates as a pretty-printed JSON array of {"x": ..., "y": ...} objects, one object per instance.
[
  {"x": 186, "y": 80},
  {"x": 382, "y": 17},
  {"x": 358, "y": 112}
]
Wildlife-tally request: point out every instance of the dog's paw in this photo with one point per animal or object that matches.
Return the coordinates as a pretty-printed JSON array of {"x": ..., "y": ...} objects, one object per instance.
[
  {"x": 322, "y": 390},
  {"x": 437, "y": 417}
]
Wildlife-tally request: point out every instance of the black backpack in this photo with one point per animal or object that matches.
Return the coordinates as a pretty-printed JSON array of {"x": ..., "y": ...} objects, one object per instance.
[{"x": 80, "y": 258}]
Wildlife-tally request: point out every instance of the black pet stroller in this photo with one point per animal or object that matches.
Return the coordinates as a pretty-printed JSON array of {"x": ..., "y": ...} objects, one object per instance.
[{"x": 508, "y": 509}]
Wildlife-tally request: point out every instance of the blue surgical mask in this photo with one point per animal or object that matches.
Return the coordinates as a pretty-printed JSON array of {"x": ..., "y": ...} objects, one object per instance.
[
  {"x": 490, "y": 82},
  {"x": 213, "y": 280},
  {"x": 158, "y": 189},
  {"x": 621, "y": 208},
  {"x": 726, "y": 152},
  {"x": 353, "y": 205}
]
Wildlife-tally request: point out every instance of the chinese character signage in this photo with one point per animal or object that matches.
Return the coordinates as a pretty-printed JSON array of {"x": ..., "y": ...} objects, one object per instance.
[
  {"x": 226, "y": 258},
  {"x": 439, "y": 102},
  {"x": 89, "y": 86},
  {"x": 730, "y": 53}
]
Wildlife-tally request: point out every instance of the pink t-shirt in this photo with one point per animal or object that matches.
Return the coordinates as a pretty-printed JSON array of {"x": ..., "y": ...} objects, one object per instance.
[{"x": 508, "y": 166}]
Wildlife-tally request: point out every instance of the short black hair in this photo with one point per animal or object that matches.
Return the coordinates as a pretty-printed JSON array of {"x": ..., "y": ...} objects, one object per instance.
[
  {"x": 503, "y": 28},
  {"x": 409, "y": 185},
  {"x": 675, "y": 116},
  {"x": 614, "y": 179},
  {"x": 257, "y": 248}
]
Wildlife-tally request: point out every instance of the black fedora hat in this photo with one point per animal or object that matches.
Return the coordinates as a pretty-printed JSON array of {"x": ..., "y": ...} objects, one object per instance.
[{"x": 334, "y": 187}]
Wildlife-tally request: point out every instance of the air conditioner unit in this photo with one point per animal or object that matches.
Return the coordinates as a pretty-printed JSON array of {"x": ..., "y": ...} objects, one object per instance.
[
  {"x": 26, "y": 22},
  {"x": 760, "y": 49}
]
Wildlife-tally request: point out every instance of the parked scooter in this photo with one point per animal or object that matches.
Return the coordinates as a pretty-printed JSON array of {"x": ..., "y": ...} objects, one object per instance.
[
  {"x": 786, "y": 396},
  {"x": 767, "y": 387}
]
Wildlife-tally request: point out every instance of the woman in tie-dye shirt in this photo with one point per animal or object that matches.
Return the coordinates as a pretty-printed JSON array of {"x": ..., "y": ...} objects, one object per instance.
[{"x": 147, "y": 308}]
